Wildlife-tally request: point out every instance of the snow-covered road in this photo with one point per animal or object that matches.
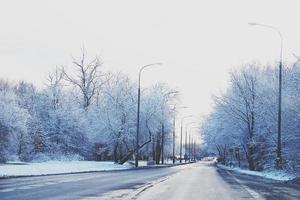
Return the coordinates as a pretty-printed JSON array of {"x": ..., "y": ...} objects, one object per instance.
[{"x": 185, "y": 182}]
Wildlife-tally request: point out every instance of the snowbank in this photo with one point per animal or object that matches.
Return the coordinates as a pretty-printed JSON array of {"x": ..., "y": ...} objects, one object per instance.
[
  {"x": 275, "y": 175},
  {"x": 57, "y": 167}
]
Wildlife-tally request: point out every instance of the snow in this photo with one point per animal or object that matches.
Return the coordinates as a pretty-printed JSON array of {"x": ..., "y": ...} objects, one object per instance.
[
  {"x": 143, "y": 163},
  {"x": 17, "y": 168},
  {"x": 57, "y": 167},
  {"x": 275, "y": 175}
]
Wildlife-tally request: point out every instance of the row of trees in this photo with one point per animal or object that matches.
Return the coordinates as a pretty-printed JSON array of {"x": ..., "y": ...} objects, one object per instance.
[
  {"x": 242, "y": 130},
  {"x": 83, "y": 113}
]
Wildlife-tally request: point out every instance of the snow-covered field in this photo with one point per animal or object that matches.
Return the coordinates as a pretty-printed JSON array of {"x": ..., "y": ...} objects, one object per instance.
[
  {"x": 275, "y": 175},
  {"x": 57, "y": 167},
  {"x": 13, "y": 169}
]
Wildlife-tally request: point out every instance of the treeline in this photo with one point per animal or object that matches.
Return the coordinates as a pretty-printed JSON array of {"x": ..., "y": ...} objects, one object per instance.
[
  {"x": 242, "y": 130},
  {"x": 83, "y": 113}
]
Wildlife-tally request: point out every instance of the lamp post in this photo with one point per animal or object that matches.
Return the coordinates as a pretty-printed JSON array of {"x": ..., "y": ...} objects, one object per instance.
[
  {"x": 279, "y": 153},
  {"x": 191, "y": 138},
  {"x": 174, "y": 133},
  {"x": 186, "y": 137},
  {"x": 181, "y": 135},
  {"x": 163, "y": 126},
  {"x": 174, "y": 130},
  {"x": 189, "y": 147},
  {"x": 194, "y": 149},
  {"x": 138, "y": 113}
]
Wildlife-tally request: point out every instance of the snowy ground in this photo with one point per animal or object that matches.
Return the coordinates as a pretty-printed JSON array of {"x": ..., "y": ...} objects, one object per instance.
[
  {"x": 57, "y": 167},
  {"x": 275, "y": 175},
  {"x": 14, "y": 169}
]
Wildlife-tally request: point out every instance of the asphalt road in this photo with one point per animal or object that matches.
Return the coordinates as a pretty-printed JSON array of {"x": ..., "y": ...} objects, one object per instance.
[
  {"x": 195, "y": 181},
  {"x": 203, "y": 181}
]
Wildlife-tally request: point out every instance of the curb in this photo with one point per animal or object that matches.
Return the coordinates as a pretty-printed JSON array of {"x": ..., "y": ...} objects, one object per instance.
[
  {"x": 293, "y": 181},
  {"x": 100, "y": 171}
]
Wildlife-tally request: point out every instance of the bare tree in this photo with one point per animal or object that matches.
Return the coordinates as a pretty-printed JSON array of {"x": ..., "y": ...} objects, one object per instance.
[
  {"x": 54, "y": 83},
  {"x": 88, "y": 78}
]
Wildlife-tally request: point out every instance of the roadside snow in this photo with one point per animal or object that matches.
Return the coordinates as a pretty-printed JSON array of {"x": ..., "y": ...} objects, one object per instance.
[
  {"x": 275, "y": 175},
  {"x": 57, "y": 167}
]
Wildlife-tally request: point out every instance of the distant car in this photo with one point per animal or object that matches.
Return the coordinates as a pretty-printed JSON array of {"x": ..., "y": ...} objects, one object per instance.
[{"x": 211, "y": 158}]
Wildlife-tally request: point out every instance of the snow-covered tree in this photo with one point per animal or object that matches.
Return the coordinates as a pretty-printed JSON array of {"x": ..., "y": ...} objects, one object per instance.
[
  {"x": 244, "y": 121},
  {"x": 88, "y": 78}
]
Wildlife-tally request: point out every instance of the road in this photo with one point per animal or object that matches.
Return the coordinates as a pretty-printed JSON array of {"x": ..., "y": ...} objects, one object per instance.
[{"x": 195, "y": 181}]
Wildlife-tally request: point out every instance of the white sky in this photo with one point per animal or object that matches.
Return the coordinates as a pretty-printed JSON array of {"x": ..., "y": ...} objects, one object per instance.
[{"x": 198, "y": 41}]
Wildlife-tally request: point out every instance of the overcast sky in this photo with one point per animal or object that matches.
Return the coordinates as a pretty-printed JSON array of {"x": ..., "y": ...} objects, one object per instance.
[{"x": 198, "y": 41}]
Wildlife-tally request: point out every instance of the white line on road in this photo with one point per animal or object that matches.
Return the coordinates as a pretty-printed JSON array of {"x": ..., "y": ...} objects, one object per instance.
[{"x": 129, "y": 194}]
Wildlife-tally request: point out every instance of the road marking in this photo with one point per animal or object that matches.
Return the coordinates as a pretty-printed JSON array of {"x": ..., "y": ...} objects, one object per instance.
[
  {"x": 135, "y": 195},
  {"x": 253, "y": 193},
  {"x": 129, "y": 194}
]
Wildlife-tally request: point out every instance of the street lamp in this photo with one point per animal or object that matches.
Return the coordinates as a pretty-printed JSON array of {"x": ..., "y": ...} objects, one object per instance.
[
  {"x": 190, "y": 150},
  {"x": 186, "y": 137},
  {"x": 181, "y": 135},
  {"x": 194, "y": 149},
  {"x": 279, "y": 155},
  {"x": 138, "y": 113},
  {"x": 174, "y": 133},
  {"x": 189, "y": 145},
  {"x": 163, "y": 126},
  {"x": 174, "y": 130},
  {"x": 192, "y": 145}
]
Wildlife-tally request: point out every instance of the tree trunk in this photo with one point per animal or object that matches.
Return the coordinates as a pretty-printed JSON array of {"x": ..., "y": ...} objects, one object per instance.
[
  {"x": 131, "y": 152},
  {"x": 158, "y": 151},
  {"x": 153, "y": 149}
]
